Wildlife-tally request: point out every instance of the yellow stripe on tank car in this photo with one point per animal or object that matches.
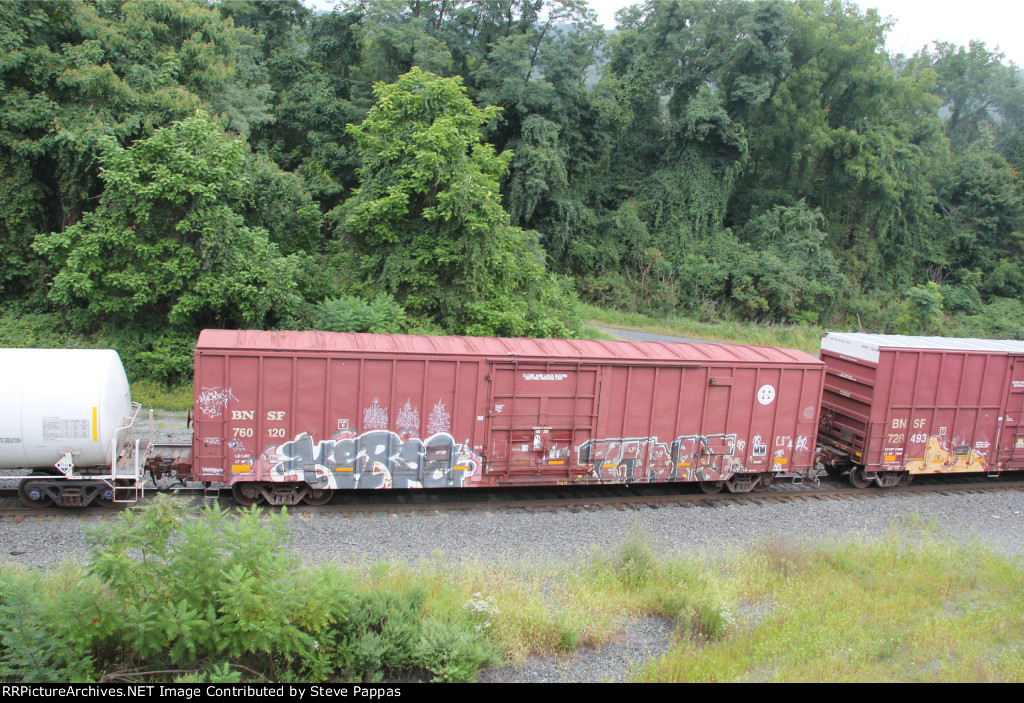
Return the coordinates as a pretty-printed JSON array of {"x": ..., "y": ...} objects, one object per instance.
[{"x": 95, "y": 429}]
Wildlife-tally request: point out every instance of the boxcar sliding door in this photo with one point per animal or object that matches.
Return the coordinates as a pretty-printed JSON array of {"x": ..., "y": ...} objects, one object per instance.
[{"x": 538, "y": 413}]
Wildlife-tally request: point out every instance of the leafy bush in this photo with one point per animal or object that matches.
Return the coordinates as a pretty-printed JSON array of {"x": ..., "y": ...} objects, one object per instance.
[
  {"x": 924, "y": 304},
  {"x": 29, "y": 649},
  {"x": 209, "y": 588},
  {"x": 1002, "y": 318},
  {"x": 203, "y": 599},
  {"x": 148, "y": 351},
  {"x": 381, "y": 315}
]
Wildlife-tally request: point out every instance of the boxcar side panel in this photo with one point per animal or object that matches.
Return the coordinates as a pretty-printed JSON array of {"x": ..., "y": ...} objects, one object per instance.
[
  {"x": 1011, "y": 437},
  {"x": 365, "y": 411},
  {"x": 212, "y": 393},
  {"x": 914, "y": 405}
]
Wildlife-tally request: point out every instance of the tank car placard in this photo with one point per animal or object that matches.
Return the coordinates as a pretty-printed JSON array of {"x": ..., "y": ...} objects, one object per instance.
[{"x": 56, "y": 429}]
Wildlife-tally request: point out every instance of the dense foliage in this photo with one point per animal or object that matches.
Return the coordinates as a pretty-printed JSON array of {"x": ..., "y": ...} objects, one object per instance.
[
  {"x": 471, "y": 166},
  {"x": 215, "y": 597}
]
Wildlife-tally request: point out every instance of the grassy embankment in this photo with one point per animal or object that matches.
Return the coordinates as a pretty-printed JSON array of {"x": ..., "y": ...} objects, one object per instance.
[
  {"x": 218, "y": 598},
  {"x": 803, "y": 337}
]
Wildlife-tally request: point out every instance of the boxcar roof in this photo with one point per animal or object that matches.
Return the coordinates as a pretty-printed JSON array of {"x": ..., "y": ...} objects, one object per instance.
[
  {"x": 869, "y": 346},
  {"x": 547, "y": 349}
]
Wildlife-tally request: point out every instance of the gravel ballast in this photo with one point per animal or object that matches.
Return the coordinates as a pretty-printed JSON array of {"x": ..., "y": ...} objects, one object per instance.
[{"x": 994, "y": 519}]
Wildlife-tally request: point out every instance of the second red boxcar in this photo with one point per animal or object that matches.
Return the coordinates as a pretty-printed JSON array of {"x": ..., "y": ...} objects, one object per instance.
[
  {"x": 896, "y": 406},
  {"x": 291, "y": 416}
]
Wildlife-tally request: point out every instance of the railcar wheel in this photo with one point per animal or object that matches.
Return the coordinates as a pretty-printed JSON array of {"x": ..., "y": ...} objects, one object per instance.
[
  {"x": 711, "y": 487},
  {"x": 105, "y": 497},
  {"x": 764, "y": 482},
  {"x": 858, "y": 479},
  {"x": 318, "y": 496},
  {"x": 246, "y": 493},
  {"x": 31, "y": 497},
  {"x": 905, "y": 479}
]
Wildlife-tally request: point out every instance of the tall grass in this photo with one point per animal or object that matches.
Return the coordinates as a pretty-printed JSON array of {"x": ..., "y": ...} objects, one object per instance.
[
  {"x": 889, "y": 610},
  {"x": 160, "y": 397},
  {"x": 911, "y": 606},
  {"x": 217, "y": 599}
]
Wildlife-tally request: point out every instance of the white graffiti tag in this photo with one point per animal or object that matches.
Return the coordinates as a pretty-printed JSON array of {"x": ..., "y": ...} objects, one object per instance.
[
  {"x": 375, "y": 417},
  {"x": 213, "y": 401},
  {"x": 440, "y": 420}
]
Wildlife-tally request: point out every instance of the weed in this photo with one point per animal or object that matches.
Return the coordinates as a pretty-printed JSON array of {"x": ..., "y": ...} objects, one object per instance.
[
  {"x": 863, "y": 610},
  {"x": 634, "y": 561},
  {"x": 783, "y": 556}
]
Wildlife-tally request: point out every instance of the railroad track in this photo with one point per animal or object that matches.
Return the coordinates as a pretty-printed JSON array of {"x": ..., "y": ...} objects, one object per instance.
[{"x": 555, "y": 499}]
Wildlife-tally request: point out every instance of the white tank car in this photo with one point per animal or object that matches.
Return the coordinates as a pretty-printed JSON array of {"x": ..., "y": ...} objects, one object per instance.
[{"x": 59, "y": 401}]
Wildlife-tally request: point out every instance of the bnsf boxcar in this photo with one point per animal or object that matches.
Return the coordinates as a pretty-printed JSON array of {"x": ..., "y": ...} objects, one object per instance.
[
  {"x": 896, "y": 406},
  {"x": 285, "y": 417}
]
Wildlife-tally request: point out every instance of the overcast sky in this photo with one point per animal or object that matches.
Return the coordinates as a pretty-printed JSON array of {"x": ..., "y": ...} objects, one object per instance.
[{"x": 918, "y": 22}]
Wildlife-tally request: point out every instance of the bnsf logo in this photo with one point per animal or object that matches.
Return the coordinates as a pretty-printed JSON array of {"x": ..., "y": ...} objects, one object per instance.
[{"x": 272, "y": 415}]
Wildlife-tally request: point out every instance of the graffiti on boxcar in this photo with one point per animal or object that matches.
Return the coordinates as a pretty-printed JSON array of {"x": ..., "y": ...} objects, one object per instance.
[
  {"x": 375, "y": 417},
  {"x": 626, "y": 460},
  {"x": 374, "y": 459},
  {"x": 709, "y": 457},
  {"x": 214, "y": 400},
  {"x": 440, "y": 420},
  {"x": 940, "y": 458},
  {"x": 408, "y": 417},
  {"x": 647, "y": 460}
]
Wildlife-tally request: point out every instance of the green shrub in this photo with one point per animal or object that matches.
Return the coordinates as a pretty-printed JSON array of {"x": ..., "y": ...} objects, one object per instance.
[
  {"x": 381, "y": 315},
  {"x": 30, "y": 646},
  {"x": 200, "y": 595}
]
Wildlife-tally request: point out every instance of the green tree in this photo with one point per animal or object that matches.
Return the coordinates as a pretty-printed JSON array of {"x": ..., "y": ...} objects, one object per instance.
[
  {"x": 924, "y": 305},
  {"x": 74, "y": 74},
  {"x": 788, "y": 274},
  {"x": 427, "y": 224},
  {"x": 853, "y": 138},
  {"x": 318, "y": 90},
  {"x": 169, "y": 241},
  {"x": 977, "y": 89}
]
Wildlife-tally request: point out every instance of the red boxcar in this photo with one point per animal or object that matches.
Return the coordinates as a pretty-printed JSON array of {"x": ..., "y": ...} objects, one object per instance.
[
  {"x": 290, "y": 416},
  {"x": 896, "y": 406}
]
